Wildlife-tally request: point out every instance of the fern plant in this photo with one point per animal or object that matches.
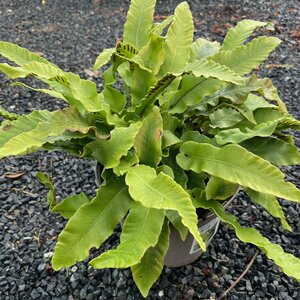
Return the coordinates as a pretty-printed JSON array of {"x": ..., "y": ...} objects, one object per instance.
[{"x": 190, "y": 125}]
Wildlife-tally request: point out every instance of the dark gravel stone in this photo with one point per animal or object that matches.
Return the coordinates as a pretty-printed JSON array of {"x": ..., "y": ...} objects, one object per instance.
[
  {"x": 35, "y": 294},
  {"x": 71, "y": 34},
  {"x": 83, "y": 293}
]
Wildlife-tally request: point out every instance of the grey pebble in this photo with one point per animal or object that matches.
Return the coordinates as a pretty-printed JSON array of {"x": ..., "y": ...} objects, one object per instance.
[
  {"x": 82, "y": 30},
  {"x": 83, "y": 292},
  {"x": 35, "y": 294}
]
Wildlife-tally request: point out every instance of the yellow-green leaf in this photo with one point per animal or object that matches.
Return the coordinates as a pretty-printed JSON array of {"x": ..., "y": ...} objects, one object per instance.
[
  {"x": 225, "y": 117},
  {"x": 175, "y": 219},
  {"x": 109, "y": 151},
  {"x": 13, "y": 72},
  {"x": 208, "y": 68},
  {"x": 237, "y": 135},
  {"x": 19, "y": 55},
  {"x": 192, "y": 92},
  {"x": 103, "y": 58},
  {"x": 271, "y": 204},
  {"x": 68, "y": 207},
  {"x": 162, "y": 192},
  {"x": 244, "y": 59},
  {"x": 49, "y": 92},
  {"x": 236, "y": 164},
  {"x": 238, "y": 35},
  {"x": 29, "y": 133},
  {"x": 139, "y": 22},
  {"x": 141, "y": 230},
  {"x": 220, "y": 189},
  {"x": 148, "y": 140},
  {"x": 148, "y": 270},
  {"x": 92, "y": 224},
  {"x": 8, "y": 115},
  {"x": 203, "y": 48},
  {"x": 125, "y": 163},
  {"x": 178, "y": 45},
  {"x": 274, "y": 150},
  {"x": 46, "y": 180}
]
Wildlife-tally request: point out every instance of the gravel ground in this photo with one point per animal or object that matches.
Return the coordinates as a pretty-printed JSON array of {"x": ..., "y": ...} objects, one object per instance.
[{"x": 71, "y": 34}]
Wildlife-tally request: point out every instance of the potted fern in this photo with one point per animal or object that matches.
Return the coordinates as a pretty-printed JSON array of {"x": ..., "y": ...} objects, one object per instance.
[{"x": 189, "y": 126}]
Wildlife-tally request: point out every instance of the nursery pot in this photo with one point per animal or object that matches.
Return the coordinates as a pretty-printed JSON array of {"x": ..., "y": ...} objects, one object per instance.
[{"x": 181, "y": 252}]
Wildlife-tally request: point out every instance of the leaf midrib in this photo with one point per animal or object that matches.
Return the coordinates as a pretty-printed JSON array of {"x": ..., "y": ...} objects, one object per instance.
[
  {"x": 233, "y": 166},
  {"x": 188, "y": 91},
  {"x": 248, "y": 53},
  {"x": 139, "y": 24}
]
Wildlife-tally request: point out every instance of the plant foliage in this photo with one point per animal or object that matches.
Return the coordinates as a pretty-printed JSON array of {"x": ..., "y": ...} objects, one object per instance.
[{"x": 189, "y": 127}]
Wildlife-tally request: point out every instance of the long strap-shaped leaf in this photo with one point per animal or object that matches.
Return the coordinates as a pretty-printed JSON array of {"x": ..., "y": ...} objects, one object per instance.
[
  {"x": 125, "y": 163},
  {"x": 13, "y": 72},
  {"x": 141, "y": 80},
  {"x": 92, "y": 224},
  {"x": 162, "y": 192},
  {"x": 23, "y": 124},
  {"x": 238, "y": 35},
  {"x": 177, "y": 50},
  {"x": 236, "y": 164},
  {"x": 238, "y": 93},
  {"x": 286, "y": 261},
  {"x": 194, "y": 89},
  {"x": 139, "y": 22},
  {"x": 141, "y": 230},
  {"x": 68, "y": 84},
  {"x": 78, "y": 92},
  {"x": 225, "y": 117},
  {"x": 19, "y": 55},
  {"x": 208, "y": 68},
  {"x": 39, "y": 128},
  {"x": 244, "y": 59},
  {"x": 276, "y": 151},
  {"x": 68, "y": 207},
  {"x": 148, "y": 140},
  {"x": 158, "y": 28},
  {"x": 114, "y": 98},
  {"x": 237, "y": 135},
  {"x": 49, "y": 92},
  {"x": 148, "y": 270}
]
